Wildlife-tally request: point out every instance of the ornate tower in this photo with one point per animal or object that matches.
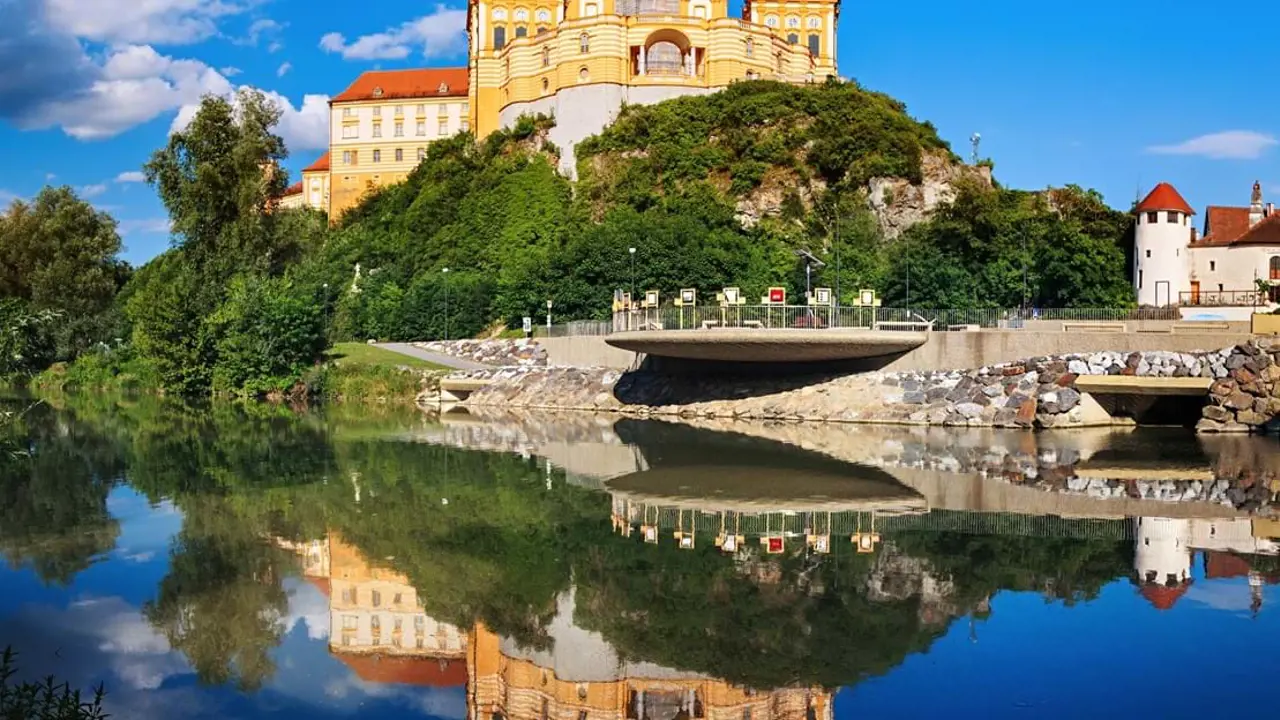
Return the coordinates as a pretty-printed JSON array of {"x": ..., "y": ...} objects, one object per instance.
[
  {"x": 811, "y": 25},
  {"x": 1256, "y": 212}
]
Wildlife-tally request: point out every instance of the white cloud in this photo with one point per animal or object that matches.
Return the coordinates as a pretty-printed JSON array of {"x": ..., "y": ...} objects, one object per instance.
[
  {"x": 260, "y": 29},
  {"x": 49, "y": 177},
  {"x": 303, "y": 128},
  {"x": 7, "y": 198},
  {"x": 283, "y": 69},
  {"x": 145, "y": 226},
  {"x": 230, "y": 71},
  {"x": 92, "y": 191},
  {"x": 131, "y": 176},
  {"x": 1228, "y": 145},
  {"x": 308, "y": 606},
  {"x": 169, "y": 22},
  {"x": 275, "y": 47},
  {"x": 441, "y": 33}
]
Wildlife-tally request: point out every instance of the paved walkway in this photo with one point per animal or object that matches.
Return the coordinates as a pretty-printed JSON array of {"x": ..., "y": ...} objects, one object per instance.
[{"x": 437, "y": 358}]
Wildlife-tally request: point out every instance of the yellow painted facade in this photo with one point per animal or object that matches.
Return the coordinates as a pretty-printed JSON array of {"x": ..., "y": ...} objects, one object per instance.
[
  {"x": 519, "y": 689},
  {"x": 379, "y": 142},
  {"x": 526, "y": 50}
]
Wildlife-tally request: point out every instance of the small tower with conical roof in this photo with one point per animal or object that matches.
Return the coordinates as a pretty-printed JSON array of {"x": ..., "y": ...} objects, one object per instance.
[{"x": 1162, "y": 263}]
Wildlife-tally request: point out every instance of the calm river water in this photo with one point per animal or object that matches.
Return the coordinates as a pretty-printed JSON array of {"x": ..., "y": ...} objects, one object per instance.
[{"x": 234, "y": 561}]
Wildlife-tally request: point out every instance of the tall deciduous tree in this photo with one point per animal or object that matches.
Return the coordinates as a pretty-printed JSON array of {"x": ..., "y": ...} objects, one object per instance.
[{"x": 58, "y": 253}]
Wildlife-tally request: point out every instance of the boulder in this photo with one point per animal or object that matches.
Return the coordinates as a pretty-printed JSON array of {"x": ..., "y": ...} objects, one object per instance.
[
  {"x": 1239, "y": 401},
  {"x": 1217, "y": 414},
  {"x": 1068, "y": 398}
]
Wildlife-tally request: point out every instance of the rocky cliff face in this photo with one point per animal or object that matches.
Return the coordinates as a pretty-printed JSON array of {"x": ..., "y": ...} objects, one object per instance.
[{"x": 898, "y": 204}]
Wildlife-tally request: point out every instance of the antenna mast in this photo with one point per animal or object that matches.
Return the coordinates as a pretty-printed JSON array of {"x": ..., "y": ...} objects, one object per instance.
[{"x": 976, "y": 139}]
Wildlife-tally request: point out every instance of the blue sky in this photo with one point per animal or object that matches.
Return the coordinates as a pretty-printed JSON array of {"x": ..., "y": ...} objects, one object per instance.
[{"x": 1106, "y": 95}]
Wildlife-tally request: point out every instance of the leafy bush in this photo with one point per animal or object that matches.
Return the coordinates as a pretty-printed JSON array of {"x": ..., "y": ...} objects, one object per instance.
[
  {"x": 267, "y": 334},
  {"x": 104, "y": 368},
  {"x": 43, "y": 701},
  {"x": 26, "y": 338}
]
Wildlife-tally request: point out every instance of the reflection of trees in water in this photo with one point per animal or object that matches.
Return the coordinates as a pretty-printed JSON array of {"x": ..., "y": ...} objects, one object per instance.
[
  {"x": 53, "y": 496},
  {"x": 509, "y": 540}
]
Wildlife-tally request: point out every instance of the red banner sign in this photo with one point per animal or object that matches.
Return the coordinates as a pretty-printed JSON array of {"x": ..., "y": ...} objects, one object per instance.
[{"x": 777, "y": 295}]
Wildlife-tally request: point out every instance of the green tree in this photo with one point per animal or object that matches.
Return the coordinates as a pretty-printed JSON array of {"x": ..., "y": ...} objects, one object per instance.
[
  {"x": 58, "y": 253},
  {"x": 268, "y": 333}
]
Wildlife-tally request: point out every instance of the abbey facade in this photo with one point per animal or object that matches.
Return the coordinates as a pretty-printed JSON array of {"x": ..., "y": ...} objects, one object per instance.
[{"x": 579, "y": 61}]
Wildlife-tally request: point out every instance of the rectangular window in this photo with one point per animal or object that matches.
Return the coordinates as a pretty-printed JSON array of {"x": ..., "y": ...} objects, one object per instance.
[
  {"x": 397, "y": 599},
  {"x": 399, "y": 624},
  {"x": 348, "y": 112},
  {"x": 349, "y": 622},
  {"x": 419, "y": 643},
  {"x": 346, "y": 157},
  {"x": 444, "y": 128},
  {"x": 350, "y": 132},
  {"x": 375, "y": 622},
  {"x": 466, "y": 126},
  {"x": 1219, "y": 287},
  {"x": 377, "y": 130},
  {"x": 1139, "y": 279},
  {"x": 422, "y": 128},
  {"x": 377, "y": 157},
  {"x": 422, "y": 110},
  {"x": 422, "y": 154},
  {"x": 377, "y": 596},
  {"x": 1152, "y": 217},
  {"x": 399, "y": 110},
  {"x": 399, "y": 129},
  {"x": 1148, "y": 253},
  {"x": 1213, "y": 265},
  {"x": 377, "y": 111},
  {"x": 399, "y": 158},
  {"x": 1172, "y": 218},
  {"x": 815, "y": 44},
  {"x": 420, "y": 622}
]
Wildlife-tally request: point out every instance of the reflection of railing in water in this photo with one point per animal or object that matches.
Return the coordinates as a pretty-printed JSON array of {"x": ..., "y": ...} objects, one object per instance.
[{"x": 706, "y": 526}]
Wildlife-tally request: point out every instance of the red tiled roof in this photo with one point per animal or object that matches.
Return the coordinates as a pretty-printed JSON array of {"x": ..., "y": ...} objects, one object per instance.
[
  {"x": 1221, "y": 565},
  {"x": 1162, "y": 597},
  {"x": 294, "y": 189},
  {"x": 393, "y": 84},
  {"x": 321, "y": 583},
  {"x": 321, "y": 165},
  {"x": 1164, "y": 197},
  {"x": 1224, "y": 225},
  {"x": 1266, "y": 232},
  {"x": 421, "y": 671}
]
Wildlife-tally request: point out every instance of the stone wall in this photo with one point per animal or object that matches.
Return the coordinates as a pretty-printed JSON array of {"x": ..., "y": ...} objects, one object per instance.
[
  {"x": 1038, "y": 392},
  {"x": 498, "y": 353}
]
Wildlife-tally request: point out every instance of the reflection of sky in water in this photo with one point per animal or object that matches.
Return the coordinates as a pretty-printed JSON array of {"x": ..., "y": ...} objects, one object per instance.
[
  {"x": 1113, "y": 657},
  {"x": 94, "y": 632}
]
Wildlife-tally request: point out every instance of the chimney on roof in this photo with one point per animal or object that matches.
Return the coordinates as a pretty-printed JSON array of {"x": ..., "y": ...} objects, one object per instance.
[
  {"x": 1255, "y": 205},
  {"x": 1270, "y": 209}
]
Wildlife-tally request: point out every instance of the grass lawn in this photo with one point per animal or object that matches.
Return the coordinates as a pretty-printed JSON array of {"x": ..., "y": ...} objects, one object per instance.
[{"x": 353, "y": 353}]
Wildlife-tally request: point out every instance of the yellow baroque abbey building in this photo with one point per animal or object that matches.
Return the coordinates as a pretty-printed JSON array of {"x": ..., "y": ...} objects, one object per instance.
[{"x": 579, "y": 61}]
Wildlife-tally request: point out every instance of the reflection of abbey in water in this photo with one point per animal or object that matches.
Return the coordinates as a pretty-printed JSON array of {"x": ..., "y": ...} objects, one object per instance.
[
  {"x": 1164, "y": 551},
  {"x": 380, "y": 630}
]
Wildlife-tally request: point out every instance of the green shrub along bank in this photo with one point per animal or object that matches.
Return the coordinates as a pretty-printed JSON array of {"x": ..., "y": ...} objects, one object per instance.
[{"x": 709, "y": 191}]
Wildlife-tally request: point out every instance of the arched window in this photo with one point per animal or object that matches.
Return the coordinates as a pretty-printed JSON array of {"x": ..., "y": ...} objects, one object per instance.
[
  {"x": 815, "y": 44},
  {"x": 584, "y": 43},
  {"x": 815, "y": 23},
  {"x": 500, "y": 15},
  {"x": 1275, "y": 267},
  {"x": 522, "y": 15},
  {"x": 792, "y": 38},
  {"x": 771, "y": 21},
  {"x": 546, "y": 57},
  {"x": 541, "y": 31},
  {"x": 522, "y": 31},
  {"x": 592, "y": 10},
  {"x": 499, "y": 38},
  {"x": 544, "y": 15},
  {"x": 751, "y": 47},
  {"x": 664, "y": 58},
  {"x": 793, "y": 22},
  {"x": 700, "y": 11}
]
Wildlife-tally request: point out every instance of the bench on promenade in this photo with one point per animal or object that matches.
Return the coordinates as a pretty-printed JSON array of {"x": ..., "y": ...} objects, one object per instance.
[
  {"x": 1115, "y": 327},
  {"x": 1201, "y": 326},
  {"x": 904, "y": 325}
]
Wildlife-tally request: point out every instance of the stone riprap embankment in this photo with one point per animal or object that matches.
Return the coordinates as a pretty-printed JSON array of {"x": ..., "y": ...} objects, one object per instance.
[
  {"x": 1035, "y": 393},
  {"x": 498, "y": 353}
]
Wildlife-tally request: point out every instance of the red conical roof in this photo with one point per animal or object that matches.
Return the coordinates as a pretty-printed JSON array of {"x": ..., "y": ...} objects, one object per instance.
[
  {"x": 1162, "y": 597},
  {"x": 1164, "y": 197}
]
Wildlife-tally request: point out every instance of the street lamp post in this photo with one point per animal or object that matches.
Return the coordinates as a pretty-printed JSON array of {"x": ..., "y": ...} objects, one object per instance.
[
  {"x": 633, "y": 273},
  {"x": 548, "y": 318},
  {"x": 446, "y": 303}
]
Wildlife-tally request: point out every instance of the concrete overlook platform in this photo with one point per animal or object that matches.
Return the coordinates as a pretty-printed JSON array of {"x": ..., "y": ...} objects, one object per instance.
[{"x": 766, "y": 345}]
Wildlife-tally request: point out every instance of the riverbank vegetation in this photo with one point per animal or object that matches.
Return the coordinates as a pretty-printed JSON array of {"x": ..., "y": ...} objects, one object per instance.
[{"x": 712, "y": 191}]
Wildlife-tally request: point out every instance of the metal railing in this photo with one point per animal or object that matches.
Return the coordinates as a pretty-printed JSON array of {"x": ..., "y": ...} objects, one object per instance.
[
  {"x": 1223, "y": 298},
  {"x": 804, "y": 317}
]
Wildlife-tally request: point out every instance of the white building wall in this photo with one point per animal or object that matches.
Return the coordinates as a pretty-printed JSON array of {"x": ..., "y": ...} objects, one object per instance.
[
  {"x": 583, "y": 111},
  {"x": 1162, "y": 261},
  {"x": 1162, "y": 547}
]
